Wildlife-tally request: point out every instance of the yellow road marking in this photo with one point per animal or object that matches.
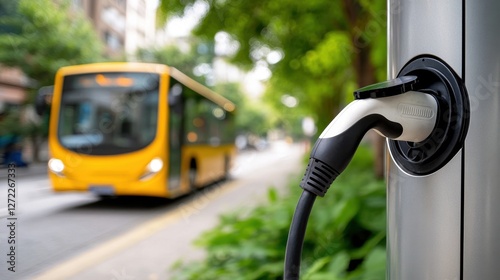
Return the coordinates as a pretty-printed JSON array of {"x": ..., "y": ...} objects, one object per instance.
[{"x": 110, "y": 248}]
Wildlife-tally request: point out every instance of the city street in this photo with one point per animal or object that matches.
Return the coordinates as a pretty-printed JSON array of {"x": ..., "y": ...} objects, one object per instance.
[{"x": 79, "y": 236}]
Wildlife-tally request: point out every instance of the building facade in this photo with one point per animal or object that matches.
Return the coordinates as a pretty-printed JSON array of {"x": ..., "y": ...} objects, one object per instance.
[
  {"x": 140, "y": 26},
  {"x": 109, "y": 20},
  {"x": 123, "y": 25}
]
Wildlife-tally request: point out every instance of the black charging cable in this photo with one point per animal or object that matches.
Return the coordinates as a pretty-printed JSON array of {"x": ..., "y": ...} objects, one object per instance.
[
  {"x": 296, "y": 235},
  {"x": 316, "y": 181}
]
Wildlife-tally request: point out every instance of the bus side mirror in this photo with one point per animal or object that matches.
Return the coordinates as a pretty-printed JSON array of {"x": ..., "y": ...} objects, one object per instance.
[{"x": 43, "y": 99}]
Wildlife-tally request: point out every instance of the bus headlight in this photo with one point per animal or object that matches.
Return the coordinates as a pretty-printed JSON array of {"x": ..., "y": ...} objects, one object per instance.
[
  {"x": 56, "y": 165},
  {"x": 153, "y": 167}
]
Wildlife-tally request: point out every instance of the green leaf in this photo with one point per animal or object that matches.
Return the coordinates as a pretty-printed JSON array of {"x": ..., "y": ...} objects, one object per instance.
[
  {"x": 272, "y": 195},
  {"x": 373, "y": 267},
  {"x": 376, "y": 260},
  {"x": 339, "y": 264},
  {"x": 345, "y": 211},
  {"x": 323, "y": 276},
  {"x": 369, "y": 246},
  {"x": 316, "y": 266}
]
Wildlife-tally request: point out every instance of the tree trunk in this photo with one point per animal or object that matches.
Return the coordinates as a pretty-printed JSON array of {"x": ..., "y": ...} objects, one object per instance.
[
  {"x": 365, "y": 73},
  {"x": 364, "y": 68}
]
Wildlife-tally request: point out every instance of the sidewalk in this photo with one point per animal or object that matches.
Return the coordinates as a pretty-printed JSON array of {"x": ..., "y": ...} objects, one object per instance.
[{"x": 33, "y": 169}]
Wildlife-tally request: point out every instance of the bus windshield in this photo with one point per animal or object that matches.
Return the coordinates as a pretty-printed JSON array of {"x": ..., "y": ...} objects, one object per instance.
[{"x": 108, "y": 113}]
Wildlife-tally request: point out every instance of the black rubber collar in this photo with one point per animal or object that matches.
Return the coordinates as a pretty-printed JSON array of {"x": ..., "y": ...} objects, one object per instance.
[{"x": 388, "y": 88}]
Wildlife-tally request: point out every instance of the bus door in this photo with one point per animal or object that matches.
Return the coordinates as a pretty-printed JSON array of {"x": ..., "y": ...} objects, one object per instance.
[{"x": 175, "y": 132}]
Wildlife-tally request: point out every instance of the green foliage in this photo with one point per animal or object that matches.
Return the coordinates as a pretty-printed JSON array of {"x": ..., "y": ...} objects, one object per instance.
[
  {"x": 344, "y": 239},
  {"x": 10, "y": 124},
  {"x": 200, "y": 54},
  {"x": 39, "y": 37},
  {"x": 252, "y": 116},
  {"x": 46, "y": 38},
  {"x": 328, "y": 47}
]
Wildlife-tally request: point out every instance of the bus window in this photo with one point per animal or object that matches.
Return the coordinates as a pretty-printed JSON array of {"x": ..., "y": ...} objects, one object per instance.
[
  {"x": 100, "y": 117},
  {"x": 175, "y": 132},
  {"x": 201, "y": 126}
]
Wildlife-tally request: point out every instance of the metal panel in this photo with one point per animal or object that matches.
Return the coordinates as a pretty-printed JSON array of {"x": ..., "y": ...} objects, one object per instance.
[
  {"x": 424, "y": 224},
  {"x": 482, "y": 153},
  {"x": 424, "y": 27},
  {"x": 424, "y": 213}
]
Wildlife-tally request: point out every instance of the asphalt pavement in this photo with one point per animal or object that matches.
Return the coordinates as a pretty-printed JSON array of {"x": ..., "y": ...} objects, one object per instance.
[{"x": 141, "y": 246}]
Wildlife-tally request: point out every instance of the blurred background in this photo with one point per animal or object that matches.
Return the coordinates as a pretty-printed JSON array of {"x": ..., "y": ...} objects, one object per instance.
[{"x": 289, "y": 66}]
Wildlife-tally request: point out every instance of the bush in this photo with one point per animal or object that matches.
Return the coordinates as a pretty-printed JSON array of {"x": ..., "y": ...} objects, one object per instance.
[{"x": 345, "y": 238}]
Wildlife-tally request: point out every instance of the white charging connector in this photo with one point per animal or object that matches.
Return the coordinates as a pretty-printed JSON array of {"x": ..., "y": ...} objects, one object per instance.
[
  {"x": 409, "y": 116},
  {"x": 415, "y": 111}
]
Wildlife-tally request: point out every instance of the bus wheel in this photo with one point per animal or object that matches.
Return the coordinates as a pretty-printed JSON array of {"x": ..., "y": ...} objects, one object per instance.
[{"x": 105, "y": 197}]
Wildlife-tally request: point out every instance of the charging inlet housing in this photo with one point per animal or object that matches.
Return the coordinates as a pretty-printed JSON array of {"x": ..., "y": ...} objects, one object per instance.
[{"x": 438, "y": 79}]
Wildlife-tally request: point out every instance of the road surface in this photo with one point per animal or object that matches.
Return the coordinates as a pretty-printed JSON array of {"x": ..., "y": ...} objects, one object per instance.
[{"x": 78, "y": 236}]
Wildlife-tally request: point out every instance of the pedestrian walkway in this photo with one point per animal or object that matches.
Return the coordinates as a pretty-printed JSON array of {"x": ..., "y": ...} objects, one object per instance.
[{"x": 33, "y": 169}]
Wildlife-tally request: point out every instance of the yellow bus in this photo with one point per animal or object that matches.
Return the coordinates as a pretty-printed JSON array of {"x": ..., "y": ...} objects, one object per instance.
[{"x": 137, "y": 129}]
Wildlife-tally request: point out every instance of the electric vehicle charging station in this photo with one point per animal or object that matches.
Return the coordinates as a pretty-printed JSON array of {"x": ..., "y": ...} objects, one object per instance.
[
  {"x": 440, "y": 112},
  {"x": 445, "y": 224}
]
